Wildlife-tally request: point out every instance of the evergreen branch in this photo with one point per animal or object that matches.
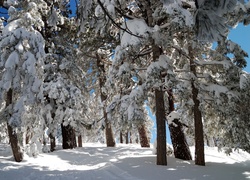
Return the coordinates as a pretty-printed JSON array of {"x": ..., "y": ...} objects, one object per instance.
[
  {"x": 180, "y": 51},
  {"x": 120, "y": 11},
  {"x": 113, "y": 21},
  {"x": 124, "y": 15}
]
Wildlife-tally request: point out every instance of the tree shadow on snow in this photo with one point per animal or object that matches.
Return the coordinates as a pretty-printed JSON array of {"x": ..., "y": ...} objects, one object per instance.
[{"x": 120, "y": 163}]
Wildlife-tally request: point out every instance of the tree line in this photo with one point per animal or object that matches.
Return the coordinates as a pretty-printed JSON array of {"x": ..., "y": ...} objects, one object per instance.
[{"x": 89, "y": 69}]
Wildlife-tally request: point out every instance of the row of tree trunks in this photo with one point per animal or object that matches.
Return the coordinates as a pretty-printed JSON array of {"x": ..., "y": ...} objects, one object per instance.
[
  {"x": 144, "y": 140},
  {"x": 16, "y": 150},
  {"x": 69, "y": 139}
]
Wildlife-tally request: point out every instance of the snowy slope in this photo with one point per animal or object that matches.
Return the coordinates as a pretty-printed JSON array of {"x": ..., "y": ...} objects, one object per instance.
[{"x": 124, "y": 162}]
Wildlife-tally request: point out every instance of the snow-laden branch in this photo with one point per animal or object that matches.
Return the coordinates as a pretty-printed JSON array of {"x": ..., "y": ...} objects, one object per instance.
[
  {"x": 180, "y": 51},
  {"x": 113, "y": 21},
  {"x": 225, "y": 63}
]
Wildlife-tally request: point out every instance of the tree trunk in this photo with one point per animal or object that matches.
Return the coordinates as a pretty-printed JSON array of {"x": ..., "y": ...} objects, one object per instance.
[
  {"x": 130, "y": 138},
  {"x": 199, "y": 137},
  {"x": 137, "y": 140},
  {"x": 161, "y": 128},
  {"x": 143, "y": 136},
  {"x": 160, "y": 116},
  {"x": 110, "y": 141},
  {"x": 121, "y": 138},
  {"x": 68, "y": 137},
  {"x": 52, "y": 142},
  {"x": 28, "y": 136},
  {"x": 16, "y": 150},
  {"x": 181, "y": 149},
  {"x": 79, "y": 141},
  {"x": 178, "y": 138},
  {"x": 126, "y": 137}
]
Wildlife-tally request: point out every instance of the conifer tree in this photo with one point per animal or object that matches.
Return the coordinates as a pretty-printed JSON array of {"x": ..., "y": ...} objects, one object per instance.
[{"x": 22, "y": 49}]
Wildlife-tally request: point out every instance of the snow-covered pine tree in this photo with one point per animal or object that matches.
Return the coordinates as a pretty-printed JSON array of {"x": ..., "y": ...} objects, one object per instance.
[
  {"x": 64, "y": 80},
  {"x": 228, "y": 128},
  {"x": 22, "y": 55}
]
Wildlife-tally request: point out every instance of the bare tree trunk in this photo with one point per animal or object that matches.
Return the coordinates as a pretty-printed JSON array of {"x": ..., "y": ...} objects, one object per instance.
[
  {"x": 199, "y": 136},
  {"x": 161, "y": 128},
  {"x": 160, "y": 116},
  {"x": 126, "y": 137},
  {"x": 52, "y": 142},
  {"x": 137, "y": 140},
  {"x": 68, "y": 137},
  {"x": 181, "y": 149},
  {"x": 130, "y": 138},
  {"x": 144, "y": 141},
  {"x": 79, "y": 141},
  {"x": 28, "y": 136},
  {"x": 16, "y": 150},
  {"x": 121, "y": 138},
  {"x": 110, "y": 141},
  {"x": 178, "y": 138}
]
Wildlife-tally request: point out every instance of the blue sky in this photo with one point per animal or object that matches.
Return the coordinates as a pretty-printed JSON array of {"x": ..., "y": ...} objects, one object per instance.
[{"x": 241, "y": 35}]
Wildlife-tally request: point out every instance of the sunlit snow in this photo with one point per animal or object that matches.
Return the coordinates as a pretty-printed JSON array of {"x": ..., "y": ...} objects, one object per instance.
[{"x": 124, "y": 162}]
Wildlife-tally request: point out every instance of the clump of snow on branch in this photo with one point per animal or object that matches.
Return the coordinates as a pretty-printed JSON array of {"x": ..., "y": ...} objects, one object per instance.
[
  {"x": 244, "y": 80},
  {"x": 172, "y": 116},
  {"x": 137, "y": 27}
]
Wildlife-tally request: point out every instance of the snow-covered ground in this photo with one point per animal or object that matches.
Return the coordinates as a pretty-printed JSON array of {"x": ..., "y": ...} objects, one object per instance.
[{"x": 125, "y": 162}]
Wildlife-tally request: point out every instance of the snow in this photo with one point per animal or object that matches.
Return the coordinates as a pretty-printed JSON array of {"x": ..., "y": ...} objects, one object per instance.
[
  {"x": 12, "y": 60},
  {"x": 137, "y": 27},
  {"x": 124, "y": 162},
  {"x": 244, "y": 80},
  {"x": 172, "y": 116}
]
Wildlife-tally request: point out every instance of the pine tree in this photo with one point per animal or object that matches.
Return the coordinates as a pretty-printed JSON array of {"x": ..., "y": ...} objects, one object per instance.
[{"x": 22, "y": 62}]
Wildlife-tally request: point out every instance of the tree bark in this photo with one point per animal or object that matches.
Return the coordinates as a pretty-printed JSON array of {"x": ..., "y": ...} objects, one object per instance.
[
  {"x": 181, "y": 149},
  {"x": 16, "y": 150},
  {"x": 68, "y": 137},
  {"x": 110, "y": 141},
  {"x": 144, "y": 141},
  {"x": 52, "y": 142},
  {"x": 121, "y": 138},
  {"x": 130, "y": 138},
  {"x": 126, "y": 137},
  {"x": 51, "y": 136},
  {"x": 199, "y": 135},
  {"x": 178, "y": 138},
  {"x": 137, "y": 140},
  {"x": 160, "y": 116},
  {"x": 161, "y": 128},
  {"x": 79, "y": 141},
  {"x": 28, "y": 136}
]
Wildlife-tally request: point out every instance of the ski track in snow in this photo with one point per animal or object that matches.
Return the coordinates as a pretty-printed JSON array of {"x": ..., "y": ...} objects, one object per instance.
[{"x": 124, "y": 162}]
